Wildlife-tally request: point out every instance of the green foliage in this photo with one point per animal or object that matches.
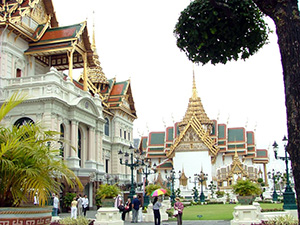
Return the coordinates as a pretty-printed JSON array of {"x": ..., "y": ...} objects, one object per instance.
[
  {"x": 220, "y": 194},
  {"x": 283, "y": 220},
  {"x": 152, "y": 187},
  {"x": 246, "y": 188},
  {"x": 107, "y": 191},
  {"x": 68, "y": 198},
  {"x": 71, "y": 221},
  {"x": 28, "y": 165},
  {"x": 178, "y": 192},
  {"x": 219, "y": 30}
]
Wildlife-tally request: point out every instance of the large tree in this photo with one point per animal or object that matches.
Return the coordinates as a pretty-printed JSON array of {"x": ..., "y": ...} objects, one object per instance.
[{"x": 218, "y": 31}]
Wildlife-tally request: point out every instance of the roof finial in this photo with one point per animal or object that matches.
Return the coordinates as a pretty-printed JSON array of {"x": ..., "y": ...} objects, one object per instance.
[
  {"x": 194, "y": 87},
  {"x": 94, "y": 42}
]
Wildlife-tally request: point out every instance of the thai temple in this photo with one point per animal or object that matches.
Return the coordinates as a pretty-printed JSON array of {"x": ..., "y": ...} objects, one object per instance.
[
  {"x": 95, "y": 114},
  {"x": 198, "y": 144}
]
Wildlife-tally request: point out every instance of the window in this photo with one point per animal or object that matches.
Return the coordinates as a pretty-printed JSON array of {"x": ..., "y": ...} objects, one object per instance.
[
  {"x": 124, "y": 134},
  {"x": 22, "y": 121},
  {"x": 128, "y": 136},
  {"x": 19, "y": 73},
  {"x": 61, "y": 145},
  {"x": 79, "y": 147},
  {"x": 106, "y": 165},
  {"x": 106, "y": 127},
  {"x": 120, "y": 132}
]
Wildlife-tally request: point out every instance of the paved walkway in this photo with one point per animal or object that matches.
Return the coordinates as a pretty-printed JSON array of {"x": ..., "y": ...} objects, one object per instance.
[{"x": 92, "y": 214}]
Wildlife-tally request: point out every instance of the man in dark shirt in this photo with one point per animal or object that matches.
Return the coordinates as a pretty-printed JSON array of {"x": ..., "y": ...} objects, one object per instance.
[{"x": 136, "y": 204}]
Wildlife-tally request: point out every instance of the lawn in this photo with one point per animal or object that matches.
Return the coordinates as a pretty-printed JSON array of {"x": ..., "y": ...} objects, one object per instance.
[{"x": 217, "y": 211}]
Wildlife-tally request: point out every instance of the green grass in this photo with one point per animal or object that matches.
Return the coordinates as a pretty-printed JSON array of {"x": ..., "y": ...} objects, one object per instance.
[{"x": 217, "y": 211}]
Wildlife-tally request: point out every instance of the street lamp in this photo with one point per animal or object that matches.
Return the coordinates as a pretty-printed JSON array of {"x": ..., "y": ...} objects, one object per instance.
[
  {"x": 147, "y": 171},
  {"x": 274, "y": 177},
  {"x": 135, "y": 161},
  {"x": 107, "y": 177},
  {"x": 201, "y": 178},
  {"x": 172, "y": 178},
  {"x": 289, "y": 201},
  {"x": 195, "y": 187}
]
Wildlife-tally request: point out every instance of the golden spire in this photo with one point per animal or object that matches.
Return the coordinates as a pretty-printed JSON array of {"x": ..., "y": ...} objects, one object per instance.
[
  {"x": 96, "y": 74},
  {"x": 93, "y": 41},
  {"x": 195, "y": 108}
]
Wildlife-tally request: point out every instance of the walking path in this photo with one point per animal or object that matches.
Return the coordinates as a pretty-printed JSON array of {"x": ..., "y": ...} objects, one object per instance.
[{"x": 92, "y": 215}]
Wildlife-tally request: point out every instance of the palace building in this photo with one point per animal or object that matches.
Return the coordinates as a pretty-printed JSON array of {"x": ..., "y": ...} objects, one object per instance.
[
  {"x": 197, "y": 144},
  {"x": 93, "y": 113}
]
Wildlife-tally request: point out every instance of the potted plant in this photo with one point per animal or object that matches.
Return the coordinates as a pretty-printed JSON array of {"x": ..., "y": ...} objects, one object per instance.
[
  {"x": 29, "y": 166},
  {"x": 67, "y": 200},
  {"x": 246, "y": 191},
  {"x": 105, "y": 195}
]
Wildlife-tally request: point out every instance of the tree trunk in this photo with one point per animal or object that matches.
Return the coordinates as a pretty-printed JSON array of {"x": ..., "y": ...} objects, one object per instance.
[{"x": 285, "y": 14}]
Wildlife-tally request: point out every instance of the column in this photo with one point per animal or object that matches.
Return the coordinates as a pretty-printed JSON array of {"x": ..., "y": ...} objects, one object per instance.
[
  {"x": 70, "y": 58},
  {"x": 85, "y": 72}
]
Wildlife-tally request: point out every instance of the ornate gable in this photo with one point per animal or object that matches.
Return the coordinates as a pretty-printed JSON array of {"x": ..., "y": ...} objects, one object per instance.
[
  {"x": 28, "y": 19},
  {"x": 194, "y": 137}
]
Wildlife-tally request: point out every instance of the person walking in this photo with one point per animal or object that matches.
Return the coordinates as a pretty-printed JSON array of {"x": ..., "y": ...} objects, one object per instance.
[
  {"x": 127, "y": 208},
  {"x": 74, "y": 208},
  {"x": 85, "y": 204},
  {"x": 179, "y": 207},
  {"x": 55, "y": 205},
  {"x": 136, "y": 204},
  {"x": 156, "y": 206},
  {"x": 79, "y": 205}
]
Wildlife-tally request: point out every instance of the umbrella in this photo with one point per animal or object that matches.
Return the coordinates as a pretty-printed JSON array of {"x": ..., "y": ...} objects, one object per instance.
[{"x": 158, "y": 192}]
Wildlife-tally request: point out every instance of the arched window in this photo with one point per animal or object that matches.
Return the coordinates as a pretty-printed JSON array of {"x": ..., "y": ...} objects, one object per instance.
[
  {"x": 22, "y": 121},
  {"x": 62, "y": 137},
  {"x": 106, "y": 127},
  {"x": 79, "y": 147}
]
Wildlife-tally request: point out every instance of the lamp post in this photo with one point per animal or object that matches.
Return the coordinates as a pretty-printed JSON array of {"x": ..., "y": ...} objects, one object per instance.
[
  {"x": 289, "y": 201},
  {"x": 195, "y": 187},
  {"x": 201, "y": 178},
  {"x": 134, "y": 163},
  {"x": 273, "y": 176},
  {"x": 147, "y": 171},
  {"x": 107, "y": 177},
  {"x": 172, "y": 178}
]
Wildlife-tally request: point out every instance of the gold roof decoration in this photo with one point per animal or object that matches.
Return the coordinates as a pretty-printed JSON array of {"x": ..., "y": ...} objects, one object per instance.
[
  {"x": 202, "y": 133},
  {"x": 96, "y": 74},
  {"x": 195, "y": 107},
  {"x": 237, "y": 166},
  {"x": 183, "y": 179}
]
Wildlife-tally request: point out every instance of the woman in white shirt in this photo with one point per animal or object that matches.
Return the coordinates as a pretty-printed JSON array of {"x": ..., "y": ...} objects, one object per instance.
[{"x": 156, "y": 206}]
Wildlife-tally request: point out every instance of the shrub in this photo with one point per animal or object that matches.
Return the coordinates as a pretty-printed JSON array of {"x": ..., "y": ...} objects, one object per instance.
[
  {"x": 71, "y": 221},
  {"x": 246, "y": 188},
  {"x": 68, "y": 198},
  {"x": 108, "y": 191},
  {"x": 280, "y": 220}
]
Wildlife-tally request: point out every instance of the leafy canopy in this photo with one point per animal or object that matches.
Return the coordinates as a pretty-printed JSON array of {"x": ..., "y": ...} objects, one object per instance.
[
  {"x": 28, "y": 165},
  {"x": 220, "y": 30},
  {"x": 246, "y": 188}
]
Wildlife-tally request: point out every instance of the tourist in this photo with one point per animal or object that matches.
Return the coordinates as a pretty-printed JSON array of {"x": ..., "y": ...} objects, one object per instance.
[
  {"x": 79, "y": 205},
  {"x": 74, "y": 208},
  {"x": 156, "y": 206},
  {"x": 36, "y": 199},
  {"x": 136, "y": 204},
  {"x": 127, "y": 208},
  {"x": 85, "y": 204},
  {"x": 140, "y": 217},
  {"x": 179, "y": 207},
  {"x": 117, "y": 201},
  {"x": 55, "y": 205}
]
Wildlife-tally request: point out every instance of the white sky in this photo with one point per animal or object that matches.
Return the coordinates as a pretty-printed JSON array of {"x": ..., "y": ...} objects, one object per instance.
[{"x": 135, "y": 41}]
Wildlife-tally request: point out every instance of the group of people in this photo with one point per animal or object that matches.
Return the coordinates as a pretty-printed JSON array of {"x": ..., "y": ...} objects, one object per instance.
[
  {"x": 79, "y": 205},
  {"x": 136, "y": 205}
]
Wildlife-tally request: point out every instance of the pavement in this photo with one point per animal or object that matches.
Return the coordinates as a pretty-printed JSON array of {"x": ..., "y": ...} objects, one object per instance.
[{"x": 92, "y": 215}]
